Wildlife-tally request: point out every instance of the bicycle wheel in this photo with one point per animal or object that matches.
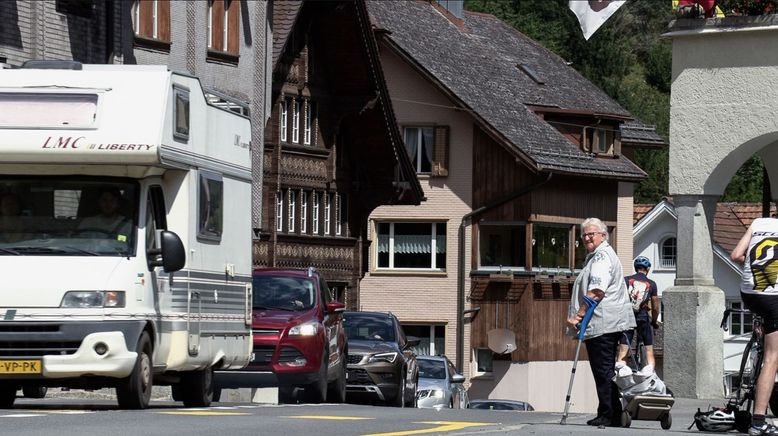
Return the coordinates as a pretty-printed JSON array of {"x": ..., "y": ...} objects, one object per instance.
[{"x": 748, "y": 374}]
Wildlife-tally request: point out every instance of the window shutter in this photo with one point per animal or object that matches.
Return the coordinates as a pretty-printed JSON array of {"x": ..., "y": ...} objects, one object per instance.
[
  {"x": 217, "y": 24},
  {"x": 440, "y": 152},
  {"x": 145, "y": 26},
  {"x": 163, "y": 20},
  {"x": 233, "y": 27}
]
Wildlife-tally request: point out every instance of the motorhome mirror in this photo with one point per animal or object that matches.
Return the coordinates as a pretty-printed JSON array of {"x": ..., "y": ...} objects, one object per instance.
[{"x": 173, "y": 253}]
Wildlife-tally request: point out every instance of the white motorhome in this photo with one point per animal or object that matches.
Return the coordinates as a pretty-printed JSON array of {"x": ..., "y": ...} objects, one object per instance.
[{"x": 125, "y": 231}]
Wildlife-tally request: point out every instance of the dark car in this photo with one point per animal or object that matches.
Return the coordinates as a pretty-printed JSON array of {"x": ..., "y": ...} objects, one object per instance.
[
  {"x": 381, "y": 362},
  {"x": 299, "y": 341},
  {"x": 501, "y": 405}
]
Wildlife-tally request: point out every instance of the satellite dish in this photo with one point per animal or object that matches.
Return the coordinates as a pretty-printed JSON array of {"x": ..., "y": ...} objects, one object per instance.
[{"x": 501, "y": 341}]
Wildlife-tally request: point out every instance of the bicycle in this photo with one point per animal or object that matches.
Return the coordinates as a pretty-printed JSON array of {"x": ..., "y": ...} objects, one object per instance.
[{"x": 748, "y": 374}]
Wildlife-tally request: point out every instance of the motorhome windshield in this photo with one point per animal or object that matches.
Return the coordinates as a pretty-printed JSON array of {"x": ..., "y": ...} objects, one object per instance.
[
  {"x": 67, "y": 217},
  {"x": 283, "y": 293}
]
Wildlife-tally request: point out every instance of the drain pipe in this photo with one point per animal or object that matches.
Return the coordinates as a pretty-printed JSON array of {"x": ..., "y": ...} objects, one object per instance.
[{"x": 461, "y": 265}]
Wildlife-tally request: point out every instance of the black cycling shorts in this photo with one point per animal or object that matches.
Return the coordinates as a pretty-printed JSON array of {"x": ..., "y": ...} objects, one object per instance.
[
  {"x": 645, "y": 334},
  {"x": 765, "y": 306}
]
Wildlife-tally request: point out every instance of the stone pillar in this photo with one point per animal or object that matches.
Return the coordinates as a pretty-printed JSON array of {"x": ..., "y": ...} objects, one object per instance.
[{"x": 693, "y": 341}]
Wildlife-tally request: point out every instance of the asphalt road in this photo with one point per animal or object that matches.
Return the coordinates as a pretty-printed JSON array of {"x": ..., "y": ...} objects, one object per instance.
[{"x": 63, "y": 416}]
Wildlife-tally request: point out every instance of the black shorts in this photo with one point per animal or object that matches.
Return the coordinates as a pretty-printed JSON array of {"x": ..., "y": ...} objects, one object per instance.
[
  {"x": 765, "y": 306},
  {"x": 645, "y": 334}
]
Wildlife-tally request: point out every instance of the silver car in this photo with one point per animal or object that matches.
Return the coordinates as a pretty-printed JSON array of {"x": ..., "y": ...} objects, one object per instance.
[{"x": 440, "y": 386}]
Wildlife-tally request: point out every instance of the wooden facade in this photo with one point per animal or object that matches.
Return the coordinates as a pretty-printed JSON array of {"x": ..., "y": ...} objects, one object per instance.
[
  {"x": 529, "y": 299},
  {"x": 330, "y": 148}
]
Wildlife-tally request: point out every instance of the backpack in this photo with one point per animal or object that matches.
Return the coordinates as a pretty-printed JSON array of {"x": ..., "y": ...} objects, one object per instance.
[{"x": 639, "y": 292}]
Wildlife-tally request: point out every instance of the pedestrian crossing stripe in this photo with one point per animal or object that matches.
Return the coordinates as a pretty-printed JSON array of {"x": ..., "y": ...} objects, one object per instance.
[{"x": 329, "y": 417}]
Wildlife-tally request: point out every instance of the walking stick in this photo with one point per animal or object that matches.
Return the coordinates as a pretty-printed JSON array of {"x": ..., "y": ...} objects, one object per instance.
[{"x": 592, "y": 303}]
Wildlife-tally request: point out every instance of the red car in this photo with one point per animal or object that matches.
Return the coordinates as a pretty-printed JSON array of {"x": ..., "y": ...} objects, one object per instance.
[{"x": 299, "y": 341}]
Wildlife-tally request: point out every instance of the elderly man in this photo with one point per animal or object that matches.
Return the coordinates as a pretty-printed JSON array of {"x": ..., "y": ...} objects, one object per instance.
[{"x": 602, "y": 279}]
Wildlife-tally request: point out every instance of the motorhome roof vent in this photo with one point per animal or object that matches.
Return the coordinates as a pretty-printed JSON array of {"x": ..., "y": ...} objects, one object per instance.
[{"x": 45, "y": 64}]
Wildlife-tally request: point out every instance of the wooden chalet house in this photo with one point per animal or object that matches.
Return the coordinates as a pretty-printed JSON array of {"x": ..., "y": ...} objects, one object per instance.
[
  {"x": 514, "y": 149},
  {"x": 332, "y": 150}
]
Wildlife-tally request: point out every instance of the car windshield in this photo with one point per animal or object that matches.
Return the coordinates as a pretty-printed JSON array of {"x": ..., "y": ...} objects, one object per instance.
[
  {"x": 367, "y": 327},
  {"x": 67, "y": 216},
  {"x": 283, "y": 293},
  {"x": 429, "y": 368}
]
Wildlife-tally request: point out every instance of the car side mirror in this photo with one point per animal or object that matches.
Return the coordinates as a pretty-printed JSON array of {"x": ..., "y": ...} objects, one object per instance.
[
  {"x": 457, "y": 378},
  {"x": 336, "y": 307},
  {"x": 411, "y": 341},
  {"x": 171, "y": 255}
]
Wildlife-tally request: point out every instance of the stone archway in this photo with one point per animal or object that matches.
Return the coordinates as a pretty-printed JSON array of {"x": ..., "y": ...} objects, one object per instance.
[{"x": 724, "y": 109}]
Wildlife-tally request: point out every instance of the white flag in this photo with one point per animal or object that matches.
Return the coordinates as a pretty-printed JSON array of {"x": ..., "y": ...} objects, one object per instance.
[{"x": 593, "y": 13}]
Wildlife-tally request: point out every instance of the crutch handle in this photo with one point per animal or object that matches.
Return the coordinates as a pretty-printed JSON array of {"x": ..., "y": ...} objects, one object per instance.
[{"x": 592, "y": 304}]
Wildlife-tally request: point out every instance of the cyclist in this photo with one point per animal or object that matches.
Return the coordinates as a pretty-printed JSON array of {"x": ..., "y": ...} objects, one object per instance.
[
  {"x": 758, "y": 251},
  {"x": 644, "y": 295}
]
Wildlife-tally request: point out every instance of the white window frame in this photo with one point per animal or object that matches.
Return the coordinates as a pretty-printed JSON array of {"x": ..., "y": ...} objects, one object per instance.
[
  {"x": 327, "y": 210},
  {"x": 315, "y": 213},
  {"x": 420, "y": 149},
  {"x": 433, "y": 246},
  {"x": 279, "y": 211},
  {"x": 665, "y": 262},
  {"x": 474, "y": 366},
  {"x": 296, "y": 122},
  {"x": 303, "y": 212},
  {"x": 284, "y": 119},
  {"x": 292, "y": 205},
  {"x": 308, "y": 123},
  {"x": 210, "y": 24},
  {"x": 738, "y": 318},
  {"x": 338, "y": 216},
  {"x": 226, "y": 27}
]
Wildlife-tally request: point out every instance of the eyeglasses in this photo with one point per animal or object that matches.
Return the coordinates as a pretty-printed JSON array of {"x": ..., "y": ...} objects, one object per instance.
[{"x": 590, "y": 235}]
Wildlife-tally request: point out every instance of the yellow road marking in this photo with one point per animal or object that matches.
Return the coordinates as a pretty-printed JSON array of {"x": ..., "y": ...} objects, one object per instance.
[
  {"x": 441, "y": 426},
  {"x": 202, "y": 413},
  {"x": 333, "y": 418}
]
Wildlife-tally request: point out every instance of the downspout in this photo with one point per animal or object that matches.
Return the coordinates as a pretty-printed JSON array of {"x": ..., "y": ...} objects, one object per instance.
[{"x": 461, "y": 264}]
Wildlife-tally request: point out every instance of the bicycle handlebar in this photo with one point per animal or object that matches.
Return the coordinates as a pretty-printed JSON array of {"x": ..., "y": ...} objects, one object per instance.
[{"x": 726, "y": 316}]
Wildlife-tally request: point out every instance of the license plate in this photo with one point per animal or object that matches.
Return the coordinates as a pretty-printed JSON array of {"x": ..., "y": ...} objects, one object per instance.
[{"x": 20, "y": 366}]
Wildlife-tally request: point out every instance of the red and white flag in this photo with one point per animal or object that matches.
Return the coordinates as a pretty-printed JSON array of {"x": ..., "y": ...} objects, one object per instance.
[{"x": 593, "y": 13}]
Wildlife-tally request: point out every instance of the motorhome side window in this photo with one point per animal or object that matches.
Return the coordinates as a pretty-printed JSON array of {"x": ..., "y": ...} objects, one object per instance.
[
  {"x": 210, "y": 207},
  {"x": 181, "y": 114},
  {"x": 68, "y": 216}
]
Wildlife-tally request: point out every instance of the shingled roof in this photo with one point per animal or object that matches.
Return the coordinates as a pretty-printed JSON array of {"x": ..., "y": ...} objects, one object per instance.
[
  {"x": 638, "y": 134},
  {"x": 477, "y": 64},
  {"x": 284, "y": 16}
]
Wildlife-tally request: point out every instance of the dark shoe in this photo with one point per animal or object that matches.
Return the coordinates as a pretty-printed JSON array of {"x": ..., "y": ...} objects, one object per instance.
[{"x": 599, "y": 421}]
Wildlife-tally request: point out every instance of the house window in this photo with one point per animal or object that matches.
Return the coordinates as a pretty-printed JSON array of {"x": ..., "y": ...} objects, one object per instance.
[
  {"x": 580, "y": 249},
  {"x": 483, "y": 361},
  {"x": 308, "y": 123},
  {"x": 210, "y": 206},
  {"x": 284, "y": 121},
  {"x": 550, "y": 246},
  {"x": 418, "y": 142},
  {"x": 599, "y": 140},
  {"x": 412, "y": 246},
  {"x": 739, "y": 323},
  {"x": 667, "y": 253},
  {"x": 327, "y": 210},
  {"x": 432, "y": 339},
  {"x": 502, "y": 245},
  {"x": 315, "y": 228},
  {"x": 279, "y": 212},
  {"x": 303, "y": 212},
  {"x": 292, "y": 205},
  {"x": 338, "y": 215},
  {"x": 151, "y": 19},
  {"x": 296, "y": 122},
  {"x": 223, "y": 26}
]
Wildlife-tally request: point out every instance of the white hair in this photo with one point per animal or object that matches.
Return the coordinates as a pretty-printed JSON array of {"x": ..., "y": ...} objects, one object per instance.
[{"x": 595, "y": 222}]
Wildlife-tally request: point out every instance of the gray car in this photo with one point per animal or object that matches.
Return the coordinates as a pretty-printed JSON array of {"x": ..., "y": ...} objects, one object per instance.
[{"x": 440, "y": 386}]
